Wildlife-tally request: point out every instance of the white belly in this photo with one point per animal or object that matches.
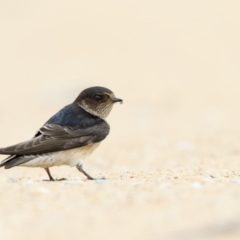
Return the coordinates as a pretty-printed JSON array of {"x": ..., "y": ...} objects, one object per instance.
[{"x": 70, "y": 157}]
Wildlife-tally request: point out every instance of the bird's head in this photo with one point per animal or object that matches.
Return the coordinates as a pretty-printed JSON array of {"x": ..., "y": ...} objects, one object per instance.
[{"x": 97, "y": 101}]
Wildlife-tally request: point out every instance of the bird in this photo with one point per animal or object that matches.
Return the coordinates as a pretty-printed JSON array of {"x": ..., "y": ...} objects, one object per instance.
[{"x": 67, "y": 137}]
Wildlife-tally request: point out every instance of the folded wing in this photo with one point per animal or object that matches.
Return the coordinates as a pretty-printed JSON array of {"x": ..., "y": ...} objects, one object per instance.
[{"x": 54, "y": 138}]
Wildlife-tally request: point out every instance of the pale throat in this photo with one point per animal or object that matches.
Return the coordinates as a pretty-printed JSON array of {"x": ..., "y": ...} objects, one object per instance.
[{"x": 99, "y": 112}]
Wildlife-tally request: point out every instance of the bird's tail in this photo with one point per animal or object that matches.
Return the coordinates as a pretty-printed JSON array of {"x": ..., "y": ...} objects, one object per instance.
[
  {"x": 6, "y": 160},
  {"x": 15, "y": 160}
]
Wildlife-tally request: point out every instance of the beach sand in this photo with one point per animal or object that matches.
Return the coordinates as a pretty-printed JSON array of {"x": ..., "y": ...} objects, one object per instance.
[{"x": 172, "y": 159}]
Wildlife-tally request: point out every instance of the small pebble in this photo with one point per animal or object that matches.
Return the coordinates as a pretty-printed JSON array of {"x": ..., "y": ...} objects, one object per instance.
[
  {"x": 12, "y": 180},
  {"x": 235, "y": 181},
  {"x": 196, "y": 185},
  {"x": 42, "y": 190},
  {"x": 101, "y": 181}
]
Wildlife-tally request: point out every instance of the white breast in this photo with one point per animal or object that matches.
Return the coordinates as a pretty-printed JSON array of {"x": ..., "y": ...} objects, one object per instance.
[{"x": 69, "y": 157}]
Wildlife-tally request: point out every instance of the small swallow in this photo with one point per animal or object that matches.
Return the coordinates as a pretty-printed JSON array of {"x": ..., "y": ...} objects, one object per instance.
[{"x": 68, "y": 136}]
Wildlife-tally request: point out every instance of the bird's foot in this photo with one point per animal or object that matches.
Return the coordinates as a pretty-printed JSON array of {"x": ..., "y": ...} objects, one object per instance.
[
  {"x": 55, "y": 180},
  {"x": 89, "y": 177},
  {"x": 96, "y": 179},
  {"x": 61, "y": 179}
]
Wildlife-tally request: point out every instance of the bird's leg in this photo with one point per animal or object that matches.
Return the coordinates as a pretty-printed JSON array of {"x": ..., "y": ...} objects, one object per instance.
[
  {"x": 80, "y": 168},
  {"x": 49, "y": 174},
  {"x": 51, "y": 178}
]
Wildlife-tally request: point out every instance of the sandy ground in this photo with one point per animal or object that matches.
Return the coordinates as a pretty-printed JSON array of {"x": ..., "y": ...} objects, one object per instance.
[{"x": 172, "y": 159}]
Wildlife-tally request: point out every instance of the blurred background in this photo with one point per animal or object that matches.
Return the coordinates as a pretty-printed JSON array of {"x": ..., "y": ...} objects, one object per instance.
[{"x": 176, "y": 66}]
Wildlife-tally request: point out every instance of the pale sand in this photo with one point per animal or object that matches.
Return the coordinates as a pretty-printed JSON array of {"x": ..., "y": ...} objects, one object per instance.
[{"x": 172, "y": 159}]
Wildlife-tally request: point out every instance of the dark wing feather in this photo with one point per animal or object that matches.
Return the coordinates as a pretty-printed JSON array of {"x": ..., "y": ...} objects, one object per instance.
[{"x": 56, "y": 138}]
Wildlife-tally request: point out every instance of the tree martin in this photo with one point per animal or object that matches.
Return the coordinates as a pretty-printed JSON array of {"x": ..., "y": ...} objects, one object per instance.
[{"x": 68, "y": 136}]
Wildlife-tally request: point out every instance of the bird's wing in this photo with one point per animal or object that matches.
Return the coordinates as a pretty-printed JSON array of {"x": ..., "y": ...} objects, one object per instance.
[{"x": 54, "y": 138}]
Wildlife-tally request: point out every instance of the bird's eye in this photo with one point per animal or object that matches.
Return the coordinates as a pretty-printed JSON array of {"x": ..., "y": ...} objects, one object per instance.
[{"x": 97, "y": 97}]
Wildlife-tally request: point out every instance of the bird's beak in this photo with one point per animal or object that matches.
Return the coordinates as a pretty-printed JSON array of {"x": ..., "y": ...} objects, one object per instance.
[{"x": 117, "y": 100}]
